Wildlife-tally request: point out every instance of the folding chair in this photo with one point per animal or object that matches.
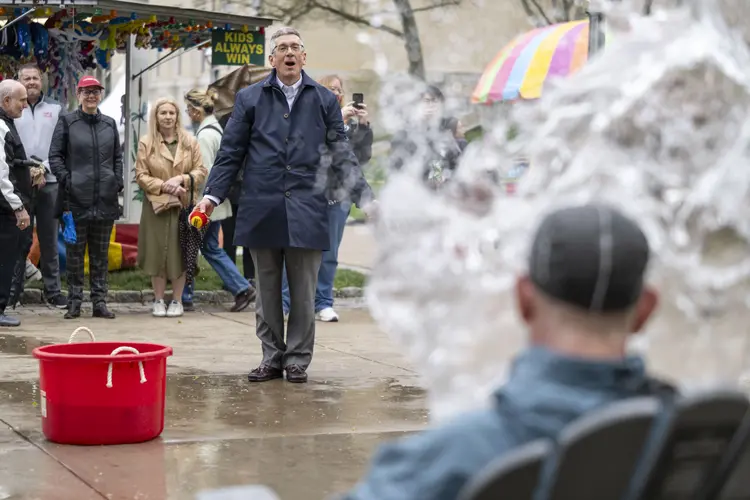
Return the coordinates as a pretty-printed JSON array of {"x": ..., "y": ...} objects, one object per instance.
[
  {"x": 732, "y": 479},
  {"x": 251, "y": 492},
  {"x": 513, "y": 476},
  {"x": 696, "y": 439},
  {"x": 598, "y": 454}
]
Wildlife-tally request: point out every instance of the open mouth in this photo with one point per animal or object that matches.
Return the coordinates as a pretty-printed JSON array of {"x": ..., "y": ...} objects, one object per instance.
[{"x": 290, "y": 64}]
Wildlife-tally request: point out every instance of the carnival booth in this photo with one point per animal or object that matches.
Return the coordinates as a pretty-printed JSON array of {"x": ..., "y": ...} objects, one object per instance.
[{"x": 70, "y": 39}]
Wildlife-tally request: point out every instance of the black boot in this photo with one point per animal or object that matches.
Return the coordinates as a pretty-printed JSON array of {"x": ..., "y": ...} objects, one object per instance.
[
  {"x": 74, "y": 310},
  {"x": 101, "y": 311}
]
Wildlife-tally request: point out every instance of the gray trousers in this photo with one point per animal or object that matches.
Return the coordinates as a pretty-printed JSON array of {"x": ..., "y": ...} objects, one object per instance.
[
  {"x": 302, "y": 267},
  {"x": 47, "y": 227},
  {"x": 47, "y": 224}
]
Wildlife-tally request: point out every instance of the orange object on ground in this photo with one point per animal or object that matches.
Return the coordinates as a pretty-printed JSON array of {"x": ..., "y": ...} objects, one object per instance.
[
  {"x": 93, "y": 395},
  {"x": 34, "y": 253}
]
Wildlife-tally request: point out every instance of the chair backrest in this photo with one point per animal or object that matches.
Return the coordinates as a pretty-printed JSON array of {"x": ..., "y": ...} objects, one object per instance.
[
  {"x": 697, "y": 448},
  {"x": 692, "y": 446},
  {"x": 514, "y": 475},
  {"x": 251, "y": 492},
  {"x": 732, "y": 479},
  {"x": 604, "y": 448}
]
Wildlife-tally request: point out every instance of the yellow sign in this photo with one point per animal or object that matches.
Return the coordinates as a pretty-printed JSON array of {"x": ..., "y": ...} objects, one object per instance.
[{"x": 237, "y": 48}]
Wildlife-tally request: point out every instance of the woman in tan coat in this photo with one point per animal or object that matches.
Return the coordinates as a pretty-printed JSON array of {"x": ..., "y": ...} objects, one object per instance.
[{"x": 168, "y": 157}]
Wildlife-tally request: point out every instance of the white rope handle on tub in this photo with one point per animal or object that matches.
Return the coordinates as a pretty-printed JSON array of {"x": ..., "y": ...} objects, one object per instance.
[
  {"x": 81, "y": 329},
  {"x": 131, "y": 350}
]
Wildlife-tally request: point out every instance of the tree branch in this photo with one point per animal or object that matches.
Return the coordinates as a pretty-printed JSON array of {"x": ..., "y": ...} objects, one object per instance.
[
  {"x": 541, "y": 11},
  {"x": 353, "y": 11},
  {"x": 567, "y": 9},
  {"x": 527, "y": 8},
  {"x": 438, "y": 5},
  {"x": 361, "y": 21}
]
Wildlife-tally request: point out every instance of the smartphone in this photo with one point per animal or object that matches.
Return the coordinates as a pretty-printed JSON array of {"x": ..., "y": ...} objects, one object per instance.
[{"x": 358, "y": 99}]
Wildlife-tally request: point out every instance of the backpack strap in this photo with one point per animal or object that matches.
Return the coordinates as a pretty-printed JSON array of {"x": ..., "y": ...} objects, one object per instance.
[{"x": 212, "y": 127}]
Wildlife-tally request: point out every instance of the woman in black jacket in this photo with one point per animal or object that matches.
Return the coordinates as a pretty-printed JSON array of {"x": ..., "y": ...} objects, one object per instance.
[
  {"x": 86, "y": 158},
  {"x": 360, "y": 137}
]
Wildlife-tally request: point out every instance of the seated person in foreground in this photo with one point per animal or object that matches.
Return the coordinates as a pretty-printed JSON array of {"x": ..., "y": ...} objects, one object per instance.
[{"x": 583, "y": 297}]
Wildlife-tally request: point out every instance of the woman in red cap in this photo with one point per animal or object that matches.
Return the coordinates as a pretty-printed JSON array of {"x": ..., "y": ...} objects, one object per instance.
[{"x": 86, "y": 157}]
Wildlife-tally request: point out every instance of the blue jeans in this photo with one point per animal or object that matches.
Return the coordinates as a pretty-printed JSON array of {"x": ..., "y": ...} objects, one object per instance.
[
  {"x": 221, "y": 263},
  {"x": 337, "y": 215}
]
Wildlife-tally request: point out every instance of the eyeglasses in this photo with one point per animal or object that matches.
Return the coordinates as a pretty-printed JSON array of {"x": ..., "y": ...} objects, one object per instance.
[
  {"x": 294, "y": 49},
  {"x": 88, "y": 92}
]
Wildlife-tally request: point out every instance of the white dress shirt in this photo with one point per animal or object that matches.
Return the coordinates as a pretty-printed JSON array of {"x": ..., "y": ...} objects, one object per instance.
[{"x": 290, "y": 92}]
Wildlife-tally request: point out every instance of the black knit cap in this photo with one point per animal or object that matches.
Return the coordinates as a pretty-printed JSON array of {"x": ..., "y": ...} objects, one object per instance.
[{"x": 590, "y": 256}]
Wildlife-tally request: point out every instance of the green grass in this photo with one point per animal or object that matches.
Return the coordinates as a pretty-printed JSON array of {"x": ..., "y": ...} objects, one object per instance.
[{"x": 207, "y": 279}]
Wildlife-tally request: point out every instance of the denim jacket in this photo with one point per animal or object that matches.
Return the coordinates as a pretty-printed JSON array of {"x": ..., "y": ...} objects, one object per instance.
[{"x": 545, "y": 392}]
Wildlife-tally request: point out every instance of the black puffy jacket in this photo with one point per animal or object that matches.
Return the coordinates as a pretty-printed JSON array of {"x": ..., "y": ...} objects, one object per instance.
[
  {"x": 18, "y": 175},
  {"x": 86, "y": 157}
]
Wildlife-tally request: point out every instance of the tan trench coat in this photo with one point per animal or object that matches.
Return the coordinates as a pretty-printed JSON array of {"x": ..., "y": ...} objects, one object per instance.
[{"x": 159, "y": 252}]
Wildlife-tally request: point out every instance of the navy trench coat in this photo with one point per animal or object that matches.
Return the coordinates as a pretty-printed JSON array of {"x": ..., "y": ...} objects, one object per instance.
[{"x": 290, "y": 161}]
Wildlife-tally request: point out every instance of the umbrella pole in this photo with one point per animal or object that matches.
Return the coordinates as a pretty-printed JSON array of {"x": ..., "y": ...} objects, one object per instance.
[{"x": 596, "y": 35}]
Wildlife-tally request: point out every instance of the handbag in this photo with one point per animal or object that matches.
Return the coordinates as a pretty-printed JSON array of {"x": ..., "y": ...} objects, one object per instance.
[
  {"x": 191, "y": 238},
  {"x": 163, "y": 202}
]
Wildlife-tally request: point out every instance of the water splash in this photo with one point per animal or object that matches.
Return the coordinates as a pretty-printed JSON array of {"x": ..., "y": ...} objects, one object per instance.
[{"x": 658, "y": 125}]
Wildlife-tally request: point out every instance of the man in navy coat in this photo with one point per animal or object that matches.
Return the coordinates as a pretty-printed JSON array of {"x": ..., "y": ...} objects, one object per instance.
[{"x": 287, "y": 135}]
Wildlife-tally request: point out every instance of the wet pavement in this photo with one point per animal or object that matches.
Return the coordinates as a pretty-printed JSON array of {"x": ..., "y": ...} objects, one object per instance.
[
  {"x": 358, "y": 247},
  {"x": 305, "y": 441}
]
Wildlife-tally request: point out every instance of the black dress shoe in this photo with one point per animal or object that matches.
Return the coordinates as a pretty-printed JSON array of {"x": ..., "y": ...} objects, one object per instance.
[
  {"x": 296, "y": 374},
  {"x": 9, "y": 321},
  {"x": 264, "y": 374},
  {"x": 101, "y": 311},
  {"x": 242, "y": 300},
  {"x": 74, "y": 311},
  {"x": 188, "y": 306}
]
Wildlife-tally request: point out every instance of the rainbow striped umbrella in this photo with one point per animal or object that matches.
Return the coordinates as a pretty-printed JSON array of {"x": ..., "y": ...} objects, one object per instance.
[{"x": 521, "y": 68}]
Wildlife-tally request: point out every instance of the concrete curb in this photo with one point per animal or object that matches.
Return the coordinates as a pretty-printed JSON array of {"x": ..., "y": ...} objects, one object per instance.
[{"x": 34, "y": 296}]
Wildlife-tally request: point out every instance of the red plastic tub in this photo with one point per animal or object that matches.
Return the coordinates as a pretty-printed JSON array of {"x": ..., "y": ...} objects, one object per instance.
[{"x": 96, "y": 393}]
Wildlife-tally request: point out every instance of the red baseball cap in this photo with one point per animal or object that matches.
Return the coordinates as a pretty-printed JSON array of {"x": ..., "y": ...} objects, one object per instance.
[{"x": 89, "y": 81}]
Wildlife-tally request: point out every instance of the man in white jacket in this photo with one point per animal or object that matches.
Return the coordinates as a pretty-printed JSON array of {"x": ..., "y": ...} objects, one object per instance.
[
  {"x": 200, "y": 108},
  {"x": 35, "y": 127}
]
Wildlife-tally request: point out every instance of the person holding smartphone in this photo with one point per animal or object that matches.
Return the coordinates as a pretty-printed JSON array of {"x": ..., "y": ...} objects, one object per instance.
[
  {"x": 357, "y": 125},
  {"x": 434, "y": 139}
]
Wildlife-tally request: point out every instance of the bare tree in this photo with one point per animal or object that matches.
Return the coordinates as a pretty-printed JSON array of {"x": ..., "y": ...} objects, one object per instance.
[
  {"x": 545, "y": 12},
  {"x": 399, "y": 21}
]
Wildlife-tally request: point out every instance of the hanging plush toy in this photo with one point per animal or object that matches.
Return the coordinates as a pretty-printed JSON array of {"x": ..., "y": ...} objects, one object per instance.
[
  {"x": 24, "y": 39},
  {"x": 40, "y": 40},
  {"x": 143, "y": 38},
  {"x": 121, "y": 40},
  {"x": 10, "y": 42},
  {"x": 103, "y": 58}
]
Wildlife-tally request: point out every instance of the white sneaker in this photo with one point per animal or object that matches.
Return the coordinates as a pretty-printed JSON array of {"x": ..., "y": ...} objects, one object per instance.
[
  {"x": 327, "y": 315},
  {"x": 32, "y": 272},
  {"x": 160, "y": 309},
  {"x": 175, "y": 309}
]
